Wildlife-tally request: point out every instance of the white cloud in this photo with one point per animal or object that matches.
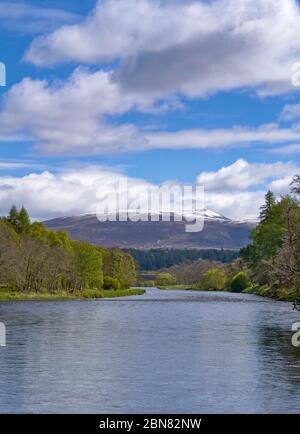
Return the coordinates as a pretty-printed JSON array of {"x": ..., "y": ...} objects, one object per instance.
[
  {"x": 195, "y": 47},
  {"x": 28, "y": 18},
  {"x": 72, "y": 118},
  {"x": 294, "y": 148},
  {"x": 242, "y": 175},
  {"x": 218, "y": 138},
  {"x": 290, "y": 112},
  {"x": 69, "y": 117},
  {"x": 236, "y": 191},
  {"x": 66, "y": 193},
  {"x": 165, "y": 47},
  {"x": 15, "y": 165}
]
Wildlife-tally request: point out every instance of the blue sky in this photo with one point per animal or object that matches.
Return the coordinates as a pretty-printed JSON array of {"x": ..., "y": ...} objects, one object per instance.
[{"x": 156, "y": 90}]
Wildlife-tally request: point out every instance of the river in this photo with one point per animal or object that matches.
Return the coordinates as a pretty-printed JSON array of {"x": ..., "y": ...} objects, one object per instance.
[{"x": 165, "y": 351}]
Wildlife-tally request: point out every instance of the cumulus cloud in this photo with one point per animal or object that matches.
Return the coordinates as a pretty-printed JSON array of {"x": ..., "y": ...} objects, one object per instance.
[
  {"x": 238, "y": 190},
  {"x": 195, "y": 47},
  {"x": 242, "y": 175},
  {"x": 69, "y": 117},
  {"x": 78, "y": 190},
  {"x": 73, "y": 191},
  {"x": 73, "y": 117},
  {"x": 156, "y": 50}
]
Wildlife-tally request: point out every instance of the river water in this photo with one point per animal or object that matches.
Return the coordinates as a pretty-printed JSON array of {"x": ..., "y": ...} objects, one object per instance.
[{"x": 166, "y": 351}]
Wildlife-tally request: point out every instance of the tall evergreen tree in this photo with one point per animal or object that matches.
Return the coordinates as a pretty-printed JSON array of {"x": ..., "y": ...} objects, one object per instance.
[
  {"x": 13, "y": 218},
  {"x": 24, "y": 220},
  {"x": 265, "y": 210},
  {"x": 295, "y": 185}
]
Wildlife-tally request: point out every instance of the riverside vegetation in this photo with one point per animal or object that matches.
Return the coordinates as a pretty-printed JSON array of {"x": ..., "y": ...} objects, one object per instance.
[
  {"x": 38, "y": 264},
  {"x": 268, "y": 266}
]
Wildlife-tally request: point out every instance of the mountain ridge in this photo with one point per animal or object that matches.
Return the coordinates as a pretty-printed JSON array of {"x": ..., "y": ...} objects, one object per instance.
[{"x": 218, "y": 232}]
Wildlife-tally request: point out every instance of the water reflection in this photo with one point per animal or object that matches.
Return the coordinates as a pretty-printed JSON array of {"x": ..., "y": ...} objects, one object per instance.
[{"x": 162, "y": 352}]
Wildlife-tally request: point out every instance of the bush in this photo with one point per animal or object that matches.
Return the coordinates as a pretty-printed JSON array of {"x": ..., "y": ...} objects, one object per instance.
[
  {"x": 146, "y": 283},
  {"x": 213, "y": 279},
  {"x": 240, "y": 282},
  {"x": 165, "y": 279},
  {"x": 111, "y": 283}
]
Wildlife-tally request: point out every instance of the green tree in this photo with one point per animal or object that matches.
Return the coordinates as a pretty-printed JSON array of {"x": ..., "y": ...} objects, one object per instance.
[
  {"x": 111, "y": 283},
  {"x": 240, "y": 282},
  {"x": 23, "y": 221},
  {"x": 87, "y": 266},
  {"x": 165, "y": 279},
  {"x": 13, "y": 218},
  {"x": 19, "y": 220},
  {"x": 267, "y": 238},
  {"x": 213, "y": 279},
  {"x": 129, "y": 271},
  {"x": 266, "y": 209},
  {"x": 9, "y": 247}
]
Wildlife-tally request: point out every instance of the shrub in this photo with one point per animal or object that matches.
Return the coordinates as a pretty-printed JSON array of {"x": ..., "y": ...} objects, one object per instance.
[
  {"x": 111, "y": 283},
  {"x": 240, "y": 282},
  {"x": 165, "y": 279},
  {"x": 213, "y": 279},
  {"x": 146, "y": 283}
]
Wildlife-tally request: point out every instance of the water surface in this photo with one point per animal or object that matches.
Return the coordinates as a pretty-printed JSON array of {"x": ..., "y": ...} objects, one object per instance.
[{"x": 166, "y": 351}]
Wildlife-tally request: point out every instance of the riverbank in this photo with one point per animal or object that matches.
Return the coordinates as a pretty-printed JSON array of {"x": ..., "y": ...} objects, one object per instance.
[
  {"x": 280, "y": 294},
  {"x": 178, "y": 288},
  {"x": 6, "y": 295}
]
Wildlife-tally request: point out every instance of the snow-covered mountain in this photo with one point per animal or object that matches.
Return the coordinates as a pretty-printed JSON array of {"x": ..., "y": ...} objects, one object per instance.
[{"x": 218, "y": 231}]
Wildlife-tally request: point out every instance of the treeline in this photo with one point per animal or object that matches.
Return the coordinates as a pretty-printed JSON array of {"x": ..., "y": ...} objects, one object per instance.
[
  {"x": 156, "y": 259},
  {"x": 190, "y": 272},
  {"x": 273, "y": 257},
  {"x": 202, "y": 275},
  {"x": 33, "y": 258}
]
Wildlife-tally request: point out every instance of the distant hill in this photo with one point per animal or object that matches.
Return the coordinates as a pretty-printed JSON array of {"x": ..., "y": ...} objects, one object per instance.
[{"x": 219, "y": 232}]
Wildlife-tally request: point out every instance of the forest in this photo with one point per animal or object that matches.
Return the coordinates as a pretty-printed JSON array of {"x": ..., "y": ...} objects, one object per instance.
[
  {"x": 155, "y": 259},
  {"x": 34, "y": 259},
  {"x": 273, "y": 256},
  {"x": 269, "y": 265}
]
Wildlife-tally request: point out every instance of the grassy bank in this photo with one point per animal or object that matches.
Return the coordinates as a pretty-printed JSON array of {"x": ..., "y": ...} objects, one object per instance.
[
  {"x": 281, "y": 294},
  {"x": 177, "y": 288},
  {"x": 6, "y": 295}
]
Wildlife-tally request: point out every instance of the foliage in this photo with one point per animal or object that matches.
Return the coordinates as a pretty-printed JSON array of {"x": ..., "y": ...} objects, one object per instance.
[
  {"x": 273, "y": 256},
  {"x": 111, "y": 283},
  {"x": 266, "y": 209},
  {"x": 156, "y": 259},
  {"x": 213, "y": 279},
  {"x": 240, "y": 282},
  {"x": 9, "y": 295},
  {"x": 87, "y": 266},
  {"x": 267, "y": 237},
  {"x": 19, "y": 219},
  {"x": 190, "y": 272},
  {"x": 165, "y": 279},
  {"x": 34, "y": 259}
]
